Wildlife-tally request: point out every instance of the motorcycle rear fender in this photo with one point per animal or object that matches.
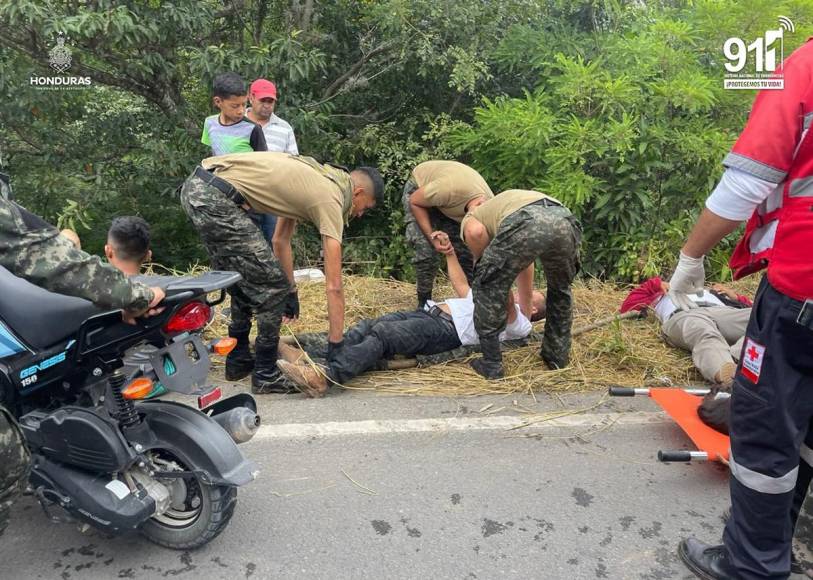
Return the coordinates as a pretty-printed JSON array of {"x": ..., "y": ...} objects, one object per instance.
[
  {"x": 233, "y": 402},
  {"x": 198, "y": 441}
]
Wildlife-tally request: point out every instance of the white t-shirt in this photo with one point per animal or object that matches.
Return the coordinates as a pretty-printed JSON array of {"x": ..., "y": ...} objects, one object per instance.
[
  {"x": 665, "y": 307},
  {"x": 462, "y": 311}
]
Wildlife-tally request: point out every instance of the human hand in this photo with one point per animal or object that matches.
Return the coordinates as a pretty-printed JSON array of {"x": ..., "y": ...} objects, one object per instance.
[
  {"x": 722, "y": 289},
  {"x": 291, "y": 311},
  {"x": 158, "y": 295},
  {"x": 688, "y": 278},
  {"x": 441, "y": 243}
]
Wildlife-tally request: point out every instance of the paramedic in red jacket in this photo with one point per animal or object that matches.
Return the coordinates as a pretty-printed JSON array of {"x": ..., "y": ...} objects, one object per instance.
[{"x": 769, "y": 177}]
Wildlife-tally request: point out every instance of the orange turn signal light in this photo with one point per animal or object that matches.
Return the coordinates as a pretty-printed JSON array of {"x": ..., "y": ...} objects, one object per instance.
[
  {"x": 224, "y": 346},
  {"x": 138, "y": 389}
]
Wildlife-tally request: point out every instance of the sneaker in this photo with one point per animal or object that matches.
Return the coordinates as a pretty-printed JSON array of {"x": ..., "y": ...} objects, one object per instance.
[
  {"x": 307, "y": 379},
  {"x": 290, "y": 353}
]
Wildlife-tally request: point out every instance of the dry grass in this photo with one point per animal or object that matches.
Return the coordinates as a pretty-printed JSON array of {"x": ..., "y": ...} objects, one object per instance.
[{"x": 628, "y": 353}]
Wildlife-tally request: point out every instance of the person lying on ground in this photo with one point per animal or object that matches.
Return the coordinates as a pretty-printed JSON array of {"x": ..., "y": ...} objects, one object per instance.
[
  {"x": 506, "y": 234},
  {"x": 439, "y": 327},
  {"x": 713, "y": 332}
]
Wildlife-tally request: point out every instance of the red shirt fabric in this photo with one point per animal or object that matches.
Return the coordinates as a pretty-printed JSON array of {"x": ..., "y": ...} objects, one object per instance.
[
  {"x": 642, "y": 296},
  {"x": 648, "y": 292}
]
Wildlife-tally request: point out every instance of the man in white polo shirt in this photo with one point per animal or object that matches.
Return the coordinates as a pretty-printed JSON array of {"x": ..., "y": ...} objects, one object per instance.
[{"x": 279, "y": 135}]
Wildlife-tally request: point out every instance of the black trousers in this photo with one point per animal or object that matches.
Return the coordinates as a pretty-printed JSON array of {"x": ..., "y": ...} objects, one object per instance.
[
  {"x": 404, "y": 333},
  {"x": 771, "y": 412}
]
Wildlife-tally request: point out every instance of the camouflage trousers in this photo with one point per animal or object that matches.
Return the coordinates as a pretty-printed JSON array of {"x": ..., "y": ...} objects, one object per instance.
[
  {"x": 234, "y": 242},
  {"x": 426, "y": 258},
  {"x": 15, "y": 462},
  {"x": 803, "y": 536},
  {"x": 543, "y": 231}
]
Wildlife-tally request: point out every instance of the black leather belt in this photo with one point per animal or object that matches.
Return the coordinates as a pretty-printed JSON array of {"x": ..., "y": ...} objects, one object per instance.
[
  {"x": 220, "y": 184},
  {"x": 438, "y": 312}
]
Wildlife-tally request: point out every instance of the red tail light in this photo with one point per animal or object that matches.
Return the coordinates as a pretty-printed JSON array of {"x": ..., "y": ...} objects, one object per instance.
[{"x": 192, "y": 316}]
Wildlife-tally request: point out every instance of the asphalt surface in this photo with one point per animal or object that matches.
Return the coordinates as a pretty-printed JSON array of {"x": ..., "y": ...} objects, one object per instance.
[{"x": 364, "y": 486}]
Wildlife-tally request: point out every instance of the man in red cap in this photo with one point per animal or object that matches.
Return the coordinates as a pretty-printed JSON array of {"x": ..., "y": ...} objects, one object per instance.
[{"x": 279, "y": 135}]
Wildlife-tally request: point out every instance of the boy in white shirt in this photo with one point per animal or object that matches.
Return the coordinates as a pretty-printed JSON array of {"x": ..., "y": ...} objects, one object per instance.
[{"x": 438, "y": 327}]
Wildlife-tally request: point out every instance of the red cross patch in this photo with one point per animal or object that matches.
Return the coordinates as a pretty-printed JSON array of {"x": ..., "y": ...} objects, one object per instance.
[{"x": 752, "y": 356}]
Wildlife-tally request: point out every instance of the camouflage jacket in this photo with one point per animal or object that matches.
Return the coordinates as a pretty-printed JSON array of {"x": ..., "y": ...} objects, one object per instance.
[{"x": 32, "y": 249}]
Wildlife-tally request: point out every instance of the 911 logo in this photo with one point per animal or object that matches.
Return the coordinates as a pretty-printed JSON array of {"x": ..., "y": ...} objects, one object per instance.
[{"x": 767, "y": 53}]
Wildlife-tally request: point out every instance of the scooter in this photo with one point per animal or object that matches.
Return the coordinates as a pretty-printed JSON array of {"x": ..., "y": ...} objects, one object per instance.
[{"x": 106, "y": 451}]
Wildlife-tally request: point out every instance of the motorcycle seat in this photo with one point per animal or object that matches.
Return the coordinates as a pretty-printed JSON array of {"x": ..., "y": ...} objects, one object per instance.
[{"x": 41, "y": 318}]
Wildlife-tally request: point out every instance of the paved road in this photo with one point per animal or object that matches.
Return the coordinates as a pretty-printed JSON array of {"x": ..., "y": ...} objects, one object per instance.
[{"x": 364, "y": 486}]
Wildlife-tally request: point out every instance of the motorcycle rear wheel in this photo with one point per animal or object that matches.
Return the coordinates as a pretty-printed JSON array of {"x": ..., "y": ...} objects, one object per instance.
[{"x": 199, "y": 512}]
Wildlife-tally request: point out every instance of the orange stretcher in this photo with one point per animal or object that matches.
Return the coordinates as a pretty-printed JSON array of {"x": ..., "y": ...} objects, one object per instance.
[{"x": 681, "y": 405}]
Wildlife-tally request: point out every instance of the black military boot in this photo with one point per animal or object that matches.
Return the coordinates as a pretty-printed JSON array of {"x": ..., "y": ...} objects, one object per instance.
[
  {"x": 239, "y": 362},
  {"x": 422, "y": 298},
  {"x": 266, "y": 378},
  {"x": 706, "y": 562},
  {"x": 490, "y": 365}
]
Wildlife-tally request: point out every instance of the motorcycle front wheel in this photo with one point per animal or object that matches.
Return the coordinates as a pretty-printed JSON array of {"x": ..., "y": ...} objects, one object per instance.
[{"x": 197, "y": 514}]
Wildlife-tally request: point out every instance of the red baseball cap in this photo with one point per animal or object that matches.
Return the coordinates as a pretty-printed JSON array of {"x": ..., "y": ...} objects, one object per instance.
[{"x": 262, "y": 89}]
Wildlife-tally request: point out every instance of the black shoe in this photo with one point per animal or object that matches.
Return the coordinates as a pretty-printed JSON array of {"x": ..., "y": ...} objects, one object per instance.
[
  {"x": 487, "y": 369},
  {"x": 266, "y": 378},
  {"x": 269, "y": 385},
  {"x": 705, "y": 561},
  {"x": 490, "y": 366},
  {"x": 238, "y": 367},
  {"x": 240, "y": 361}
]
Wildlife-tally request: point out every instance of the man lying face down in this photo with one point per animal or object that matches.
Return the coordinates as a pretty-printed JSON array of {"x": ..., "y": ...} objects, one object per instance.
[{"x": 438, "y": 327}]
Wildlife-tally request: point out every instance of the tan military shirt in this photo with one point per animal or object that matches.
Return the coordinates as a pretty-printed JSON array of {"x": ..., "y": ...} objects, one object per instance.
[
  {"x": 285, "y": 185},
  {"x": 493, "y": 212},
  {"x": 449, "y": 186}
]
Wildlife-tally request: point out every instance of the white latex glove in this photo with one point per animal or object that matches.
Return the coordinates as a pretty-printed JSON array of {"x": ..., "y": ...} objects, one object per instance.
[{"x": 688, "y": 278}]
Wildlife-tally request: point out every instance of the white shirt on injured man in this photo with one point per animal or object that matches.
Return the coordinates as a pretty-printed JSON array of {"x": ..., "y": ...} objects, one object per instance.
[
  {"x": 666, "y": 308},
  {"x": 462, "y": 311}
]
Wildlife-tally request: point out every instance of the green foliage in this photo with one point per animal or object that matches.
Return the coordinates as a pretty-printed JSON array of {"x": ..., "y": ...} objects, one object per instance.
[
  {"x": 628, "y": 129},
  {"x": 614, "y": 106}
]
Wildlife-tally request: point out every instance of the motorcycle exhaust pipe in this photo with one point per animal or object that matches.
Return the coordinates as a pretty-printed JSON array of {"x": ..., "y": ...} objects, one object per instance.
[{"x": 241, "y": 423}]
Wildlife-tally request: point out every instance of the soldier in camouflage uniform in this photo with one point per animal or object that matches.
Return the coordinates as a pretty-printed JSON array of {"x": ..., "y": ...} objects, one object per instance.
[
  {"x": 15, "y": 461},
  {"x": 803, "y": 538},
  {"x": 34, "y": 250},
  {"x": 435, "y": 199},
  {"x": 216, "y": 197},
  {"x": 506, "y": 235}
]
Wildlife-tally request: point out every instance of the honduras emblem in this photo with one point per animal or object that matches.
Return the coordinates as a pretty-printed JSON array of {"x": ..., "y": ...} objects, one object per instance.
[{"x": 60, "y": 56}]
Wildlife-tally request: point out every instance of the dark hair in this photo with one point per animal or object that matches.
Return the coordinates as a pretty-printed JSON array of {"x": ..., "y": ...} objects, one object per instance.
[
  {"x": 378, "y": 182},
  {"x": 130, "y": 237},
  {"x": 227, "y": 85}
]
